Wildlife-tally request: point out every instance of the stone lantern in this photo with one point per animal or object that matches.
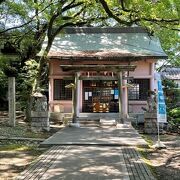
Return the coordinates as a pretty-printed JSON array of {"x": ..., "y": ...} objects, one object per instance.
[{"x": 39, "y": 113}]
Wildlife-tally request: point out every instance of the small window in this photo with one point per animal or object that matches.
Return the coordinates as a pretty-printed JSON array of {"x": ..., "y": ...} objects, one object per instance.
[
  {"x": 140, "y": 89},
  {"x": 60, "y": 92}
]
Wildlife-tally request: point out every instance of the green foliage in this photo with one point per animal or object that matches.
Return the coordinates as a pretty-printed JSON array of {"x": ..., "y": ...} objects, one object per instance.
[
  {"x": 172, "y": 94},
  {"x": 169, "y": 84},
  {"x": 11, "y": 147},
  {"x": 175, "y": 113},
  {"x": 147, "y": 139},
  {"x": 32, "y": 149},
  {"x": 161, "y": 18},
  {"x": 26, "y": 81},
  {"x": 3, "y": 87},
  {"x": 10, "y": 71},
  {"x": 170, "y": 43}
]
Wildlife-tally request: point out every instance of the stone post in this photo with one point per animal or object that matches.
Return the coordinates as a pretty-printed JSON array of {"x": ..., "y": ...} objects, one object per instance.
[{"x": 12, "y": 101}]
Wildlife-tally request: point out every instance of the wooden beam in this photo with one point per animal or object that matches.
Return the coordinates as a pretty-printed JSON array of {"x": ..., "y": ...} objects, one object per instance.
[
  {"x": 105, "y": 78},
  {"x": 94, "y": 78},
  {"x": 109, "y": 67}
]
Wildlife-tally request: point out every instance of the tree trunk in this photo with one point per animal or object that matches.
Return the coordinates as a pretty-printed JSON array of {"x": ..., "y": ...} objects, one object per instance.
[
  {"x": 43, "y": 65},
  {"x": 28, "y": 109}
]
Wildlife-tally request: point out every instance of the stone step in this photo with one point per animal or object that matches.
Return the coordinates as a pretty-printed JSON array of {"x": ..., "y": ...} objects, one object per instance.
[
  {"x": 99, "y": 115},
  {"x": 107, "y": 122},
  {"x": 92, "y": 123}
]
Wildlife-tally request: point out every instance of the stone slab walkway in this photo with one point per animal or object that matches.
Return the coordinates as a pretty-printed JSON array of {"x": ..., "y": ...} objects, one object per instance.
[
  {"x": 91, "y": 153},
  {"x": 88, "y": 163},
  {"x": 122, "y": 134}
]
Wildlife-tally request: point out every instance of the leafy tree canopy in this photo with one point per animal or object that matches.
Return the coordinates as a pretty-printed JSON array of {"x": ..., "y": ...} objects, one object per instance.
[
  {"x": 161, "y": 17},
  {"x": 24, "y": 25},
  {"x": 29, "y": 21}
]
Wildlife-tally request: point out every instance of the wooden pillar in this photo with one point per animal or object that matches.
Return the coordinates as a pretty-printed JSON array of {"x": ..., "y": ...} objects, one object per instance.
[
  {"x": 12, "y": 101},
  {"x": 152, "y": 87},
  {"x": 78, "y": 94},
  {"x": 120, "y": 94},
  {"x": 51, "y": 94},
  {"x": 125, "y": 97},
  {"x": 75, "y": 97}
]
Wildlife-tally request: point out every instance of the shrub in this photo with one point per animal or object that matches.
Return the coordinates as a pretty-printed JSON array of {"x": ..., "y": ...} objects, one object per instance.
[{"x": 175, "y": 113}]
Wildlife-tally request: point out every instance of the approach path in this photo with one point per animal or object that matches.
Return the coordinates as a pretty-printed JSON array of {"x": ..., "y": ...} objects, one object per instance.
[{"x": 91, "y": 153}]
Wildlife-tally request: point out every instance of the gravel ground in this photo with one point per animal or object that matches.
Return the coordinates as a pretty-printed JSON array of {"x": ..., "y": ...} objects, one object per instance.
[{"x": 165, "y": 162}]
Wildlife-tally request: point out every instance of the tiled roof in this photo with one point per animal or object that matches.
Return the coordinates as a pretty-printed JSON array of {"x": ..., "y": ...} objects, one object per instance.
[
  {"x": 171, "y": 73},
  {"x": 100, "y": 43}
]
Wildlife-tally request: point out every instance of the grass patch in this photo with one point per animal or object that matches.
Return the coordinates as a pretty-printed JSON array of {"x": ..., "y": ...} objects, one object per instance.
[
  {"x": 18, "y": 147},
  {"x": 32, "y": 149},
  {"x": 30, "y": 134},
  {"x": 10, "y": 147},
  {"x": 147, "y": 139},
  {"x": 144, "y": 154}
]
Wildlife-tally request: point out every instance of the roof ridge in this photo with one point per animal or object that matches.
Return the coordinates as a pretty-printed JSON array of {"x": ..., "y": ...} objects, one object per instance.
[{"x": 97, "y": 30}]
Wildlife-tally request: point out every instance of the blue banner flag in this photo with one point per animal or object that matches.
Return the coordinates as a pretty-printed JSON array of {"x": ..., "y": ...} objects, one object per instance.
[{"x": 161, "y": 106}]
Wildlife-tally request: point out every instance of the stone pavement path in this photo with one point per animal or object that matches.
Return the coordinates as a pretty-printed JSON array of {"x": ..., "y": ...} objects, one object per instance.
[
  {"x": 122, "y": 134},
  {"x": 88, "y": 163},
  {"x": 91, "y": 153}
]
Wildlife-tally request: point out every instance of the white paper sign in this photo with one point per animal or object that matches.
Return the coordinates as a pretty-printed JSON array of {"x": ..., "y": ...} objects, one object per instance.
[
  {"x": 115, "y": 96},
  {"x": 90, "y": 94},
  {"x": 112, "y": 91},
  {"x": 86, "y": 95}
]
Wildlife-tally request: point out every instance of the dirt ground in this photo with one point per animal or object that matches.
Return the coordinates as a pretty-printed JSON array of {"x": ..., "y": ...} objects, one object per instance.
[
  {"x": 165, "y": 163},
  {"x": 13, "y": 162},
  {"x": 16, "y": 155}
]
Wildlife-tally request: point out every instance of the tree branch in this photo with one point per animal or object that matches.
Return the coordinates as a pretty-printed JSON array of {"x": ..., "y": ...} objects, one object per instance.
[
  {"x": 123, "y": 6},
  {"x": 59, "y": 10},
  {"x": 71, "y": 5},
  {"x": 112, "y": 15},
  {"x": 50, "y": 25},
  {"x": 161, "y": 20},
  {"x": 67, "y": 7},
  {"x": 81, "y": 10},
  {"x": 22, "y": 25},
  {"x": 1, "y": 1},
  {"x": 80, "y": 23}
]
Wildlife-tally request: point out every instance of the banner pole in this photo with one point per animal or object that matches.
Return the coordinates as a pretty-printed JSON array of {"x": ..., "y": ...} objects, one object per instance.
[
  {"x": 161, "y": 110},
  {"x": 158, "y": 133}
]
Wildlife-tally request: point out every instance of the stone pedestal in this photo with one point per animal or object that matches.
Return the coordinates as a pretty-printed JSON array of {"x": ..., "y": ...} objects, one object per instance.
[
  {"x": 150, "y": 122},
  {"x": 57, "y": 117},
  {"x": 40, "y": 121}
]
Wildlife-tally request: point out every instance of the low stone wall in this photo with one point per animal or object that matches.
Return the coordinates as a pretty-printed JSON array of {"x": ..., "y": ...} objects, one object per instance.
[{"x": 40, "y": 121}]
